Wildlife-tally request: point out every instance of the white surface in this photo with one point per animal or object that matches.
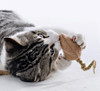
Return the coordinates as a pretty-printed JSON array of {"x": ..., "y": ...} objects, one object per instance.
[{"x": 80, "y": 16}]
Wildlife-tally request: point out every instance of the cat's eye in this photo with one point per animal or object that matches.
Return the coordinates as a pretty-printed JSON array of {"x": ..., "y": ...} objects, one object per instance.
[
  {"x": 40, "y": 35},
  {"x": 43, "y": 36}
]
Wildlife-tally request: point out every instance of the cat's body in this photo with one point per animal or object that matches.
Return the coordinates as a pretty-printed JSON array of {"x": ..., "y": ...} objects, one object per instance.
[{"x": 28, "y": 52}]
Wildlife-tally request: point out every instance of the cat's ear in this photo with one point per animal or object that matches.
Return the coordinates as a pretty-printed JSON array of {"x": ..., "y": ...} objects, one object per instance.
[{"x": 12, "y": 46}]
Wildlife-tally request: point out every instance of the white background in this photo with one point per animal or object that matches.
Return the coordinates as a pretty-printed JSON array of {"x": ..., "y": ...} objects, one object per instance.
[{"x": 80, "y": 16}]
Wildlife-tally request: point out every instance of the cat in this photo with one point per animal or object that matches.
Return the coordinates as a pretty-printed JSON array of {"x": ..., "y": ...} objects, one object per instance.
[{"x": 28, "y": 52}]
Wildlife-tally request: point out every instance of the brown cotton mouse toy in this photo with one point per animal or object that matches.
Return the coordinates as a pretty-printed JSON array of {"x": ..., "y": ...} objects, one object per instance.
[{"x": 73, "y": 52}]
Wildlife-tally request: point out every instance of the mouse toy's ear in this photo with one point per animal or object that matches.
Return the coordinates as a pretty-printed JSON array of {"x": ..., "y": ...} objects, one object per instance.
[{"x": 12, "y": 46}]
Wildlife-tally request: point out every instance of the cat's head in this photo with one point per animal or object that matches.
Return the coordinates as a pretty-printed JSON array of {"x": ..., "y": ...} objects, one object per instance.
[{"x": 31, "y": 55}]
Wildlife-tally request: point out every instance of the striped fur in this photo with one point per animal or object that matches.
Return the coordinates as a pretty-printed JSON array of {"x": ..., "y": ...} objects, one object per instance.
[
  {"x": 35, "y": 61},
  {"x": 29, "y": 56}
]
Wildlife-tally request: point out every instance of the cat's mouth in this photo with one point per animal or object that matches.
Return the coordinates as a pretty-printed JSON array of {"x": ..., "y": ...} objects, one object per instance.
[{"x": 52, "y": 45}]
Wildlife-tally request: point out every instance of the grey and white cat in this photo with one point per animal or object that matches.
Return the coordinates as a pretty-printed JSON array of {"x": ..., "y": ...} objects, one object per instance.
[{"x": 30, "y": 53}]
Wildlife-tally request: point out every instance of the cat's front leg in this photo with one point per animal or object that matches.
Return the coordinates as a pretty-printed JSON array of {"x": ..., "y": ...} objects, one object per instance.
[{"x": 63, "y": 63}]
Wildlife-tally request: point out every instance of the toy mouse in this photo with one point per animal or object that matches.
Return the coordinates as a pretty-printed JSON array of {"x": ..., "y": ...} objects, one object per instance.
[{"x": 73, "y": 52}]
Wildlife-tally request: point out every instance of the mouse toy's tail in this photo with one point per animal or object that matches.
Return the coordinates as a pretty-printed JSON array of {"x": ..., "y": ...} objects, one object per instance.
[{"x": 83, "y": 66}]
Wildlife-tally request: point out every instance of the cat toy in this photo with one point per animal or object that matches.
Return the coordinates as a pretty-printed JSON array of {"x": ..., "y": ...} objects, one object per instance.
[{"x": 73, "y": 52}]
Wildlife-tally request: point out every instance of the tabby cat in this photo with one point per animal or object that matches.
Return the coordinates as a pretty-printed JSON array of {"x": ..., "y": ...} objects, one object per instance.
[{"x": 27, "y": 52}]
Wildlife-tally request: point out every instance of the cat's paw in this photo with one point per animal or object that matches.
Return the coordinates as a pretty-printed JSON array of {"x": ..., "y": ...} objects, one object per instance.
[{"x": 79, "y": 39}]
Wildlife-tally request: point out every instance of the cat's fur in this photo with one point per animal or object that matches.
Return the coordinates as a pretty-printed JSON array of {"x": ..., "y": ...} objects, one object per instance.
[{"x": 28, "y": 52}]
